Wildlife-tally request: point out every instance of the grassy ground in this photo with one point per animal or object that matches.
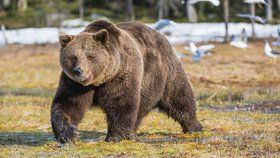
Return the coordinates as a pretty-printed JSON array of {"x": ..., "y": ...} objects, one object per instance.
[{"x": 238, "y": 93}]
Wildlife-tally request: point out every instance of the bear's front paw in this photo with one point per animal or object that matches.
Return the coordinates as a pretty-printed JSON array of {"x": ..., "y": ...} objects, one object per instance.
[
  {"x": 113, "y": 138},
  {"x": 120, "y": 135},
  {"x": 195, "y": 127},
  {"x": 70, "y": 134},
  {"x": 66, "y": 133}
]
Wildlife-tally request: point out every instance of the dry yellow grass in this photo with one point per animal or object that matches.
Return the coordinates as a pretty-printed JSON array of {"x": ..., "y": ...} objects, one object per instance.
[{"x": 229, "y": 79}]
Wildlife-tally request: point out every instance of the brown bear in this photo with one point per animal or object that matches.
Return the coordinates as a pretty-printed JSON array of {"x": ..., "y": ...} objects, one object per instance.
[{"x": 127, "y": 69}]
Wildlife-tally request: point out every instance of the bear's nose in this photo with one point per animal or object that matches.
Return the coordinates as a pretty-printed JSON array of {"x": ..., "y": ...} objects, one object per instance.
[{"x": 78, "y": 71}]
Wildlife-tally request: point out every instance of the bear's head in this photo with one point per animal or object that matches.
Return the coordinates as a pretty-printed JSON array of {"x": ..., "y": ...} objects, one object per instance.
[{"x": 89, "y": 58}]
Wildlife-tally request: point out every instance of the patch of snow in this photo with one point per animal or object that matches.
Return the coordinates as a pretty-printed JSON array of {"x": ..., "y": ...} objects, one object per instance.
[
  {"x": 179, "y": 34},
  {"x": 74, "y": 23},
  {"x": 31, "y": 36},
  {"x": 202, "y": 32},
  {"x": 72, "y": 31},
  {"x": 36, "y": 35}
]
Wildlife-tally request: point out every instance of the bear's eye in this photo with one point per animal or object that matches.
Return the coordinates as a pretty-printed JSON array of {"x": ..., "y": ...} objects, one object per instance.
[
  {"x": 73, "y": 58},
  {"x": 89, "y": 57}
]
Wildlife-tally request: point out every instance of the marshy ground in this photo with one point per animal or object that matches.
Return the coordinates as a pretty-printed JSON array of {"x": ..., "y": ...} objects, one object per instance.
[{"x": 238, "y": 95}]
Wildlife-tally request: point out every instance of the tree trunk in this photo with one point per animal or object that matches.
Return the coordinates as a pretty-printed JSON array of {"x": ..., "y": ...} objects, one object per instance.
[
  {"x": 269, "y": 11},
  {"x": 253, "y": 13},
  {"x": 190, "y": 12},
  {"x": 192, "y": 15},
  {"x": 6, "y": 3},
  {"x": 81, "y": 9},
  {"x": 278, "y": 4},
  {"x": 1, "y": 6},
  {"x": 130, "y": 9},
  {"x": 186, "y": 7},
  {"x": 21, "y": 5},
  {"x": 201, "y": 10},
  {"x": 160, "y": 9},
  {"x": 226, "y": 19}
]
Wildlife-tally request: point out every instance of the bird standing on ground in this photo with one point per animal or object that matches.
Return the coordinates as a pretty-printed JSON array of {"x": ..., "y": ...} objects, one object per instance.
[
  {"x": 199, "y": 52},
  {"x": 269, "y": 52},
  {"x": 196, "y": 54},
  {"x": 240, "y": 41}
]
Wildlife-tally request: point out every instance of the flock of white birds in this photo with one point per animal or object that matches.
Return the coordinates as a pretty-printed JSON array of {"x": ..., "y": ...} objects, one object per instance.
[{"x": 239, "y": 41}]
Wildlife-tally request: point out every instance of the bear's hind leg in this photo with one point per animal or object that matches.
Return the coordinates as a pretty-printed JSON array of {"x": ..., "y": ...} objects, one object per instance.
[
  {"x": 184, "y": 117},
  {"x": 179, "y": 103}
]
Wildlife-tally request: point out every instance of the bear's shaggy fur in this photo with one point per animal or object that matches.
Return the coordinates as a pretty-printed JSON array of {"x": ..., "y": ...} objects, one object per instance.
[{"x": 127, "y": 69}]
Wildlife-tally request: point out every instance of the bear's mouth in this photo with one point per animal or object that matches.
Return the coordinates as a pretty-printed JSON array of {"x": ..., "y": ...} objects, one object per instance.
[{"x": 82, "y": 79}]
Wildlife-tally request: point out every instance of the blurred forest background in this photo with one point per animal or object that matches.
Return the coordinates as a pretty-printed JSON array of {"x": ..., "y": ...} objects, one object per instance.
[{"x": 50, "y": 13}]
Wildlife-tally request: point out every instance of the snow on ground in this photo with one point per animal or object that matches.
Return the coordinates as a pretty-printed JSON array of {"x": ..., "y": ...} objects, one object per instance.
[
  {"x": 203, "y": 32},
  {"x": 30, "y": 36},
  {"x": 74, "y": 23},
  {"x": 182, "y": 33},
  {"x": 35, "y": 35}
]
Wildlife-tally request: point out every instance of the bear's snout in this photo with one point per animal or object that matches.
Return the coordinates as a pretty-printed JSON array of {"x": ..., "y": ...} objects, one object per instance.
[{"x": 78, "y": 71}]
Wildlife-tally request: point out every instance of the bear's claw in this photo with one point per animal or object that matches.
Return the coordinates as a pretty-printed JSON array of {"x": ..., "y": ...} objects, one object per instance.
[
  {"x": 124, "y": 135},
  {"x": 67, "y": 134},
  {"x": 195, "y": 127}
]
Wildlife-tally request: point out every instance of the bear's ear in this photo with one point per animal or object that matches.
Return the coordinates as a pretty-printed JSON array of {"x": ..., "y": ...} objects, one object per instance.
[
  {"x": 101, "y": 36},
  {"x": 103, "y": 24},
  {"x": 64, "y": 39}
]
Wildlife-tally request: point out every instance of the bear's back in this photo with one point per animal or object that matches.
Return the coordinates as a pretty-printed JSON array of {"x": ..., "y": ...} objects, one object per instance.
[{"x": 153, "y": 45}]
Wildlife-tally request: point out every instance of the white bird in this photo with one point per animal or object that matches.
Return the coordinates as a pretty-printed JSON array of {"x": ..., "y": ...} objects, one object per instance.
[
  {"x": 277, "y": 42},
  {"x": 205, "y": 49},
  {"x": 199, "y": 52},
  {"x": 269, "y": 52},
  {"x": 255, "y": 1},
  {"x": 214, "y": 2},
  {"x": 255, "y": 18},
  {"x": 163, "y": 23},
  {"x": 240, "y": 41}
]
